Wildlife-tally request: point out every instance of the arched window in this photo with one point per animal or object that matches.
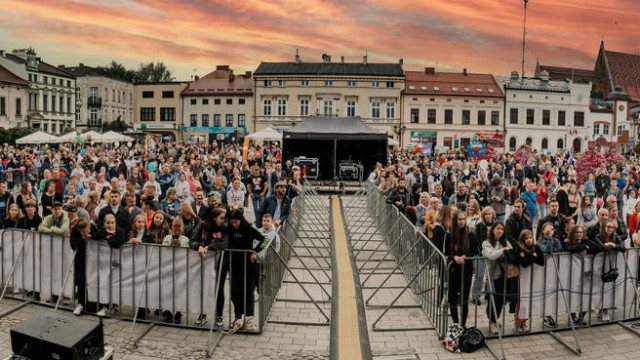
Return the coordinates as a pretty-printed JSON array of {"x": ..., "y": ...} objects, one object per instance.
[
  {"x": 560, "y": 144},
  {"x": 545, "y": 144},
  {"x": 512, "y": 144}
]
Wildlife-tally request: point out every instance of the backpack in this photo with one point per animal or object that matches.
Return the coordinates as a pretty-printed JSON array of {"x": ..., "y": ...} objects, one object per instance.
[
  {"x": 471, "y": 340},
  {"x": 452, "y": 338}
]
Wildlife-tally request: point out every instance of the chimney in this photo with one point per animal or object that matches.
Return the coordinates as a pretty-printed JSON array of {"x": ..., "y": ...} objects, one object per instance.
[
  {"x": 326, "y": 58},
  {"x": 515, "y": 76},
  {"x": 231, "y": 77},
  {"x": 342, "y": 59},
  {"x": 61, "y": 66},
  {"x": 464, "y": 72},
  {"x": 544, "y": 76},
  {"x": 429, "y": 71},
  {"x": 401, "y": 62},
  {"x": 364, "y": 60},
  {"x": 81, "y": 65},
  {"x": 196, "y": 78},
  {"x": 247, "y": 74},
  {"x": 297, "y": 58}
]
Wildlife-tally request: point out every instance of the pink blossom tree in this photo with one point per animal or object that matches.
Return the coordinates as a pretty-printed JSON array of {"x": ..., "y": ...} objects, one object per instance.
[{"x": 523, "y": 154}]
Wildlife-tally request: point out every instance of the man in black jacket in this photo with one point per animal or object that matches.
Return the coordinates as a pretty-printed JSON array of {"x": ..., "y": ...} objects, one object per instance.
[
  {"x": 563, "y": 198},
  {"x": 602, "y": 183},
  {"x": 400, "y": 196},
  {"x": 198, "y": 206},
  {"x": 278, "y": 205},
  {"x": 594, "y": 230},
  {"x": 517, "y": 222},
  {"x": 121, "y": 213},
  {"x": 553, "y": 217}
]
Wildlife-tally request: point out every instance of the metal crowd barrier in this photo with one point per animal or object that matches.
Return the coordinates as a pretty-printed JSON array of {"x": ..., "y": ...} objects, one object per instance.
[
  {"x": 567, "y": 286},
  {"x": 146, "y": 282}
]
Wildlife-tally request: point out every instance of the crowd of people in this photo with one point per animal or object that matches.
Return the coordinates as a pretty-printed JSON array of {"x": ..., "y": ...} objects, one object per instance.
[
  {"x": 510, "y": 213},
  {"x": 207, "y": 198}
]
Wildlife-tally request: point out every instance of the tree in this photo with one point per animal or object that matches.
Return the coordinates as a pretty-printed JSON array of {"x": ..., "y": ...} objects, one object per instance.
[
  {"x": 11, "y": 135},
  {"x": 589, "y": 162},
  {"x": 118, "y": 70},
  {"x": 523, "y": 154},
  {"x": 116, "y": 125},
  {"x": 151, "y": 72}
]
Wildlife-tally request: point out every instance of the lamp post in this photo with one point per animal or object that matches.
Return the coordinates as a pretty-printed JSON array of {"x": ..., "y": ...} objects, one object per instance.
[{"x": 524, "y": 34}]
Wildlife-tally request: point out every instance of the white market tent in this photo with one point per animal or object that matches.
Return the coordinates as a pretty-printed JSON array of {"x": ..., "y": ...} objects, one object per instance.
[
  {"x": 112, "y": 136},
  {"x": 38, "y": 137},
  {"x": 268, "y": 134},
  {"x": 96, "y": 137},
  {"x": 68, "y": 138}
]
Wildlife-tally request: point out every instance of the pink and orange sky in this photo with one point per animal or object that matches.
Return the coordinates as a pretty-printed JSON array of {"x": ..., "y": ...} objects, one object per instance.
[{"x": 481, "y": 35}]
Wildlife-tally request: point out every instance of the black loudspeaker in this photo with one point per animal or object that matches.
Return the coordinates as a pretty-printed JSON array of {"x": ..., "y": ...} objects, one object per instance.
[
  {"x": 51, "y": 335},
  {"x": 310, "y": 165}
]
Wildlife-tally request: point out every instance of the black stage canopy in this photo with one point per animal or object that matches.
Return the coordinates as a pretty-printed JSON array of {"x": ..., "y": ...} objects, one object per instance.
[{"x": 335, "y": 140}]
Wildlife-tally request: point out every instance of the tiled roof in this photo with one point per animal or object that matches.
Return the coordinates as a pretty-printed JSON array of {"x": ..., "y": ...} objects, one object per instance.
[
  {"x": 329, "y": 69},
  {"x": 42, "y": 66},
  {"x": 7, "y": 76},
  {"x": 561, "y": 73},
  {"x": 239, "y": 86},
  {"x": 535, "y": 84},
  {"x": 451, "y": 84},
  {"x": 83, "y": 70},
  {"x": 625, "y": 70}
]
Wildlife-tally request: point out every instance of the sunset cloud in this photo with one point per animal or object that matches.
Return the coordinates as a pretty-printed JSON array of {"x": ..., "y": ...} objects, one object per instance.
[{"x": 186, "y": 34}]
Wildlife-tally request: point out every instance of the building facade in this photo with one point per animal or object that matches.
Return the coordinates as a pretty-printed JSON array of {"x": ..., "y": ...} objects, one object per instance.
[
  {"x": 551, "y": 116},
  {"x": 13, "y": 96},
  {"x": 610, "y": 123},
  {"x": 286, "y": 93},
  {"x": 51, "y": 95},
  {"x": 217, "y": 108},
  {"x": 158, "y": 109},
  {"x": 101, "y": 98},
  {"x": 451, "y": 110}
]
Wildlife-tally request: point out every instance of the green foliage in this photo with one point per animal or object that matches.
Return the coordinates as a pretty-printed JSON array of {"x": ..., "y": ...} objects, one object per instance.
[
  {"x": 10, "y": 136},
  {"x": 116, "y": 125},
  {"x": 151, "y": 72}
]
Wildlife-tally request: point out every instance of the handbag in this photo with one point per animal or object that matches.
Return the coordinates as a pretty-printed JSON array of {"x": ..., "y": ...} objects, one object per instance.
[
  {"x": 510, "y": 270},
  {"x": 611, "y": 274}
]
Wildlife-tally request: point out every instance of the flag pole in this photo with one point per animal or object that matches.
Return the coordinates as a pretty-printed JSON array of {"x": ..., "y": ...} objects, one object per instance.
[{"x": 524, "y": 34}]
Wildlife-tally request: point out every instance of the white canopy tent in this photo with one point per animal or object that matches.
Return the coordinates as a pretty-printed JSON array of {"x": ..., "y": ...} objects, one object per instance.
[
  {"x": 268, "y": 134},
  {"x": 96, "y": 137},
  {"x": 38, "y": 137},
  {"x": 68, "y": 138},
  {"x": 112, "y": 136}
]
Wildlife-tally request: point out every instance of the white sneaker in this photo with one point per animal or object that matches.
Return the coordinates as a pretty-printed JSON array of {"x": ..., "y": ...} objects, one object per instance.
[
  {"x": 78, "y": 310},
  {"x": 103, "y": 312},
  {"x": 606, "y": 316},
  {"x": 493, "y": 329}
]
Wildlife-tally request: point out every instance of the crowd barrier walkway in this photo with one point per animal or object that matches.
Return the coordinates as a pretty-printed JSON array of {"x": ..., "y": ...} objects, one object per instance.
[{"x": 567, "y": 286}]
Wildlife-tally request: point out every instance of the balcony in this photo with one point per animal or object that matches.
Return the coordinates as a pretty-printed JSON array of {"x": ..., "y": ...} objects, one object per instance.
[{"x": 95, "y": 101}]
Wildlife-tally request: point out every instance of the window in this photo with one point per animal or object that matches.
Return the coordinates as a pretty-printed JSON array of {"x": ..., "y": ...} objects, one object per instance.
[
  {"x": 304, "y": 83},
  {"x": 147, "y": 94},
  {"x": 411, "y": 87},
  {"x": 545, "y": 144},
  {"x": 45, "y": 79},
  {"x": 195, "y": 102},
  {"x": 327, "y": 107},
  {"x": 605, "y": 129},
  {"x": 512, "y": 144},
  {"x": 205, "y": 120},
  {"x": 31, "y": 77},
  {"x": 415, "y": 116},
  {"x": 328, "y": 83},
  {"x": 530, "y": 116},
  {"x": 375, "y": 109},
  {"x": 216, "y": 101},
  {"x": 619, "y": 133},
  {"x": 146, "y": 114},
  {"x": 241, "y": 101},
  {"x": 217, "y": 120},
  {"x": 436, "y": 88},
  {"x": 375, "y": 84},
  {"x": 513, "y": 117},
  {"x": 546, "y": 117},
  {"x": 45, "y": 127},
  {"x": 35, "y": 78},
  {"x": 53, "y": 103},
  {"x": 304, "y": 107},
  {"x": 193, "y": 120},
  {"x": 448, "y": 116},
  {"x": 282, "y": 107},
  {"x": 61, "y": 109},
  {"x": 93, "y": 92},
  {"x": 68, "y": 83},
  {"x": 167, "y": 94},
  {"x": 282, "y": 83},
  {"x": 562, "y": 115},
  {"x": 596, "y": 129},
  {"x": 454, "y": 88},
  {"x": 467, "y": 89},
  {"x": 242, "y": 120},
  {"x": 205, "y": 101},
  {"x": 423, "y": 88},
  {"x": 228, "y": 120},
  {"x": 266, "y": 107},
  {"x": 267, "y": 83},
  {"x": 391, "y": 109},
  {"x": 351, "y": 83},
  {"x": 113, "y": 95},
  {"x": 168, "y": 114},
  {"x": 18, "y": 107},
  {"x": 482, "y": 117},
  {"x": 431, "y": 116},
  {"x": 578, "y": 119},
  {"x": 119, "y": 98},
  {"x": 45, "y": 102},
  {"x": 495, "y": 118},
  {"x": 390, "y": 84},
  {"x": 351, "y": 108},
  {"x": 229, "y": 101},
  {"x": 3, "y": 106},
  {"x": 560, "y": 144},
  {"x": 466, "y": 117}
]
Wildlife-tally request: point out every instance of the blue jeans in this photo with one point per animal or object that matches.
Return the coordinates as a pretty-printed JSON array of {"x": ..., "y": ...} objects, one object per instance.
[
  {"x": 478, "y": 280},
  {"x": 258, "y": 202}
]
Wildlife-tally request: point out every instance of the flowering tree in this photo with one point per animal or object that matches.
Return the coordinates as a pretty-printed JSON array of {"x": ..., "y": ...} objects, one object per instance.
[
  {"x": 524, "y": 153},
  {"x": 589, "y": 162},
  {"x": 613, "y": 157},
  {"x": 491, "y": 153}
]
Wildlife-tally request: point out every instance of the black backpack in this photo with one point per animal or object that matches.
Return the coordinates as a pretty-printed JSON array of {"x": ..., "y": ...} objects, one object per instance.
[{"x": 471, "y": 340}]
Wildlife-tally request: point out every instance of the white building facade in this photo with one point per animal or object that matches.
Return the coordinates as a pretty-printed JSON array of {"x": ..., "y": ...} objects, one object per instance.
[
  {"x": 13, "y": 96},
  {"x": 550, "y": 116}
]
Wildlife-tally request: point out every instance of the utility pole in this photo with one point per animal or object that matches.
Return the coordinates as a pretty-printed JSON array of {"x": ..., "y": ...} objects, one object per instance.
[{"x": 524, "y": 34}]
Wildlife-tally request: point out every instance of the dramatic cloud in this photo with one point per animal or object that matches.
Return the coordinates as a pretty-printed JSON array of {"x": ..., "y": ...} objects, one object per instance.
[{"x": 483, "y": 36}]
